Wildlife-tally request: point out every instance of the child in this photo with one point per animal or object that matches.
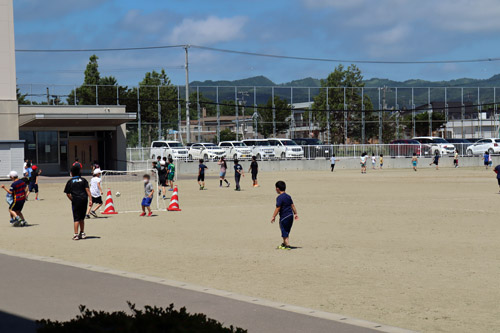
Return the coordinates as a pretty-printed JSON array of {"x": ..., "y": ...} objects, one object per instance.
[
  {"x": 238, "y": 172},
  {"x": 490, "y": 160},
  {"x": 363, "y": 162},
  {"x": 497, "y": 171},
  {"x": 148, "y": 196},
  {"x": 381, "y": 160},
  {"x": 96, "y": 192},
  {"x": 223, "y": 169},
  {"x": 33, "y": 181},
  {"x": 332, "y": 162},
  {"x": 436, "y": 160},
  {"x": 254, "y": 168},
  {"x": 162, "y": 177},
  {"x": 414, "y": 161},
  {"x": 201, "y": 174},
  {"x": 287, "y": 211},
  {"x": 78, "y": 192},
  {"x": 374, "y": 161},
  {"x": 171, "y": 173},
  {"x": 486, "y": 159},
  {"x": 18, "y": 192},
  {"x": 455, "y": 159}
]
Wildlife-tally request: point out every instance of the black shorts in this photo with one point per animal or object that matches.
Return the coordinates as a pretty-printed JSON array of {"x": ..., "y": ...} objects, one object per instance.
[
  {"x": 163, "y": 181},
  {"x": 201, "y": 178},
  {"x": 486, "y": 163},
  {"x": 254, "y": 176},
  {"x": 33, "y": 187},
  {"x": 97, "y": 200},
  {"x": 17, "y": 206},
  {"x": 498, "y": 179},
  {"x": 79, "y": 210}
]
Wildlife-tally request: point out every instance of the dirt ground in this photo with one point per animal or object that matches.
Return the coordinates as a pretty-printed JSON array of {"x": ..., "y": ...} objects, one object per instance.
[{"x": 415, "y": 250}]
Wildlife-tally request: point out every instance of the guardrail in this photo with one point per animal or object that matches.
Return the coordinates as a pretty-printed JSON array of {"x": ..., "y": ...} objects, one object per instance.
[{"x": 349, "y": 151}]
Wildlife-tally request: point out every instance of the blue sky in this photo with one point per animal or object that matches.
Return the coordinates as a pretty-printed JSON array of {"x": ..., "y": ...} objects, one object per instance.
[{"x": 355, "y": 29}]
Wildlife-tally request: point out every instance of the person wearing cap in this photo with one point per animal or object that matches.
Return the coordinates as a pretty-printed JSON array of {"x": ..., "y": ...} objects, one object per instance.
[
  {"x": 96, "y": 192},
  {"x": 162, "y": 176},
  {"x": 33, "y": 181},
  {"x": 18, "y": 192}
]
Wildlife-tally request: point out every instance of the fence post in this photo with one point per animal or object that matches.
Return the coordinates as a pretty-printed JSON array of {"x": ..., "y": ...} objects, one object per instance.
[
  {"x": 179, "y": 112},
  {"x": 96, "y": 95},
  {"x": 159, "y": 114},
  {"x": 218, "y": 112},
  {"x": 292, "y": 119},
  {"x": 345, "y": 119},
  {"x": 430, "y": 110},
  {"x": 413, "y": 112},
  {"x": 255, "y": 114},
  {"x": 236, "y": 112},
  {"x": 198, "y": 112},
  {"x": 380, "y": 122},
  {"x": 363, "y": 134},
  {"x": 139, "y": 124},
  {"x": 117, "y": 95},
  {"x": 274, "y": 113},
  {"x": 328, "y": 128}
]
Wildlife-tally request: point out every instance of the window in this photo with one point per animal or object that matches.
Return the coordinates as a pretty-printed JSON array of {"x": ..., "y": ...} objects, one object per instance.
[
  {"x": 47, "y": 147},
  {"x": 224, "y": 144},
  {"x": 29, "y": 138}
]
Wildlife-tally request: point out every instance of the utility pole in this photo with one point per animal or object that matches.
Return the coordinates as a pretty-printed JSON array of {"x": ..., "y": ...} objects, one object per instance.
[{"x": 188, "y": 121}]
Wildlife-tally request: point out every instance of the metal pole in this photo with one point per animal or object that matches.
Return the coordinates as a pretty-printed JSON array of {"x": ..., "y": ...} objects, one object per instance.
[
  {"x": 479, "y": 109},
  {"x": 397, "y": 114},
  {"x": 117, "y": 95},
  {"x": 292, "y": 119},
  {"x": 139, "y": 132},
  {"x": 429, "y": 111},
  {"x": 255, "y": 114},
  {"x": 159, "y": 114},
  {"x": 198, "y": 112},
  {"x": 328, "y": 128},
  {"x": 236, "y": 112},
  {"x": 74, "y": 97},
  {"x": 363, "y": 129},
  {"x": 345, "y": 120},
  {"x": 413, "y": 112},
  {"x": 310, "y": 113},
  {"x": 179, "y": 112},
  {"x": 463, "y": 112},
  {"x": 218, "y": 112},
  {"x": 380, "y": 123},
  {"x": 495, "y": 110},
  {"x": 188, "y": 120},
  {"x": 446, "y": 112},
  {"x": 96, "y": 95},
  {"x": 274, "y": 113}
]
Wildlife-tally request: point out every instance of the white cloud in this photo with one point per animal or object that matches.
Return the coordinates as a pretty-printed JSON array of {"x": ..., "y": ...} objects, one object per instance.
[{"x": 208, "y": 31}]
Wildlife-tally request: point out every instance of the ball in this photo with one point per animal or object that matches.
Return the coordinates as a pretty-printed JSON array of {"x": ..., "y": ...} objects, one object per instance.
[{"x": 118, "y": 194}]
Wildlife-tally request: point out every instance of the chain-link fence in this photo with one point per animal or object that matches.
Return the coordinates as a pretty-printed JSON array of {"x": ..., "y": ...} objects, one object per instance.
[{"x": 334, "y": 115}]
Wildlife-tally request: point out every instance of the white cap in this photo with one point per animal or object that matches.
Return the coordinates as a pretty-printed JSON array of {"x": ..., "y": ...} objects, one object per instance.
[
  {"x": 162, "y": 162},
  {"x": 12, "y": 174},
  {"x": 97, "y": 171}
]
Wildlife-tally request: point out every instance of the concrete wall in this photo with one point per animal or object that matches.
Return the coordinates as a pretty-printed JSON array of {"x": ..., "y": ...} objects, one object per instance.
[
  {"x": 7, "y": 52},
  {"x": 9, "y": 120},
  {"x": 11, "y": 157},
  {"x": 318, "y": 165},
  {"x": 121, "y": 147}
]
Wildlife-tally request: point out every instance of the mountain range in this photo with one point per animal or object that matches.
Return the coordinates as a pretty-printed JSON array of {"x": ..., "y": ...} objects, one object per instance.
[{"x": 263, "y": 81}]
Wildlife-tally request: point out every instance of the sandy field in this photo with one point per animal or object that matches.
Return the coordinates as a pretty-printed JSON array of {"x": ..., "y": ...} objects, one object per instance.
[{"x": 415, "y": 250}]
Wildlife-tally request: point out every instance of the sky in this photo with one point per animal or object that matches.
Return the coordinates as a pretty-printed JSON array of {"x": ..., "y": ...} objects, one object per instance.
[{"x": 394, "y": 30}]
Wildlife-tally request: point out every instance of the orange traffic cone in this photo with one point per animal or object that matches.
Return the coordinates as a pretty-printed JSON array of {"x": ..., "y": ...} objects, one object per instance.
[
  {"x": 109, "y": 207},
  {"x": 174, "y": 202}
]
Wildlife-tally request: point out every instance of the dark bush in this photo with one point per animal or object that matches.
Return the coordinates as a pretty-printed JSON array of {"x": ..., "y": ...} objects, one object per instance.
[{"x": 151, "y": 320}]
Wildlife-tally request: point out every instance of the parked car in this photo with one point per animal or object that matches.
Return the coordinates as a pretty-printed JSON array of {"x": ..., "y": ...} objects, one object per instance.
[
  {"x": 206, "y": 151},
  {"x": 405, "y": 147},
  {"x": 261, "y": 148},
  {"x": 492, "y": 146},
  {"x": 433, "y": 144},
  {"x": 313, "y": 148},
  {"x": 169, "y": 149},
  {"x": 460, "y": 144},
  {"x": 286, "y": 148},
  {"x": 236, "y": 150},
  {"x": 474, "y": 140}
]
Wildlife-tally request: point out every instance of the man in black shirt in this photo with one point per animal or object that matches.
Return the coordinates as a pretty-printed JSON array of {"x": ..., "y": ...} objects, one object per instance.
[
  {"x": 254, "y": 168},
  {"x": 78, "y": 192}
]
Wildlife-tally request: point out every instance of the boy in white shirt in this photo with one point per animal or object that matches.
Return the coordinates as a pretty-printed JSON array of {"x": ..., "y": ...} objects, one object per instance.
[
  {"x": 332, "y": 162},
  {"x": 96, "y": 192}
]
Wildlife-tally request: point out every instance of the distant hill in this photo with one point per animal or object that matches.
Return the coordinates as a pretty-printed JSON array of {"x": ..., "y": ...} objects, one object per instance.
[{"x": 263, "y": 81}]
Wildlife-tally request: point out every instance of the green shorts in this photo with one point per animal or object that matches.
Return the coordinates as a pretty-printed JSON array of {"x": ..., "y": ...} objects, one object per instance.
[{"x": 171, "y": 176}]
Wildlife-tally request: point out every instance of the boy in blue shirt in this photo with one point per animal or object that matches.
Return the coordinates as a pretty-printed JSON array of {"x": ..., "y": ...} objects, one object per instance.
[
  {"x": 238, "y": 172},
  {"x": 497, "y": 171},
  {"x": 201, "y": 175},
  {"x": 287, "y": 211}
]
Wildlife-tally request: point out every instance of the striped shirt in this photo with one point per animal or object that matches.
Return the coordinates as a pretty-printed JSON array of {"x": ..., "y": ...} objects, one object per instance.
[{"x": 18, "y": 189}]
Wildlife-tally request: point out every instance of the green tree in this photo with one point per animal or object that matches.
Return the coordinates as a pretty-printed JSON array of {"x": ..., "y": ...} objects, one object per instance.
[
  {"x": 227, "y": 135},
  {"x": 422, "y": 122},
  {"x": 282, "y": 113},
  {"x": 21, "y": 98},
  {"x": 352, "y": 79}
]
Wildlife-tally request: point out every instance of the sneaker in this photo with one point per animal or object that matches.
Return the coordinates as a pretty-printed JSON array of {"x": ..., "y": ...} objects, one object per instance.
[
  {"x": 143, "y": 214},
  {"x": 228, "y": 184},
  {"x": 76, "y": 237},
  {"x": 281, "y": 247},
  {"x": 150, "y": 214},
  {"x": 288, "y": 247},
  {"x": 93, "y": 213},
  {"x": 171, "y": 189},
  {"x": 159, "y": 192},
  {"x": 164, "y": 198},
  {"x": 23, "y": 223},
  {"x": 14, "y": 223},
  {"x": 83, "y": 235},
  {"x": 87, "y": 216},
  {"x": 201, "y": 188}
]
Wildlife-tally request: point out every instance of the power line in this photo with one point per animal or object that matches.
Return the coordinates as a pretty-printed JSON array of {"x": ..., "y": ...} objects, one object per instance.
[{"x": 256, "y": 54}]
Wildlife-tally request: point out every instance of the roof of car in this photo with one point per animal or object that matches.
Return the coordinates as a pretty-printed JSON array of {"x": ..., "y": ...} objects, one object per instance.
[{"x": 230, "y": 141}]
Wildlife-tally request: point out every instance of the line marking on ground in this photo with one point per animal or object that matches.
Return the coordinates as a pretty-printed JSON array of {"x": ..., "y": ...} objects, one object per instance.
[{"x": 215, "y": 292}]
